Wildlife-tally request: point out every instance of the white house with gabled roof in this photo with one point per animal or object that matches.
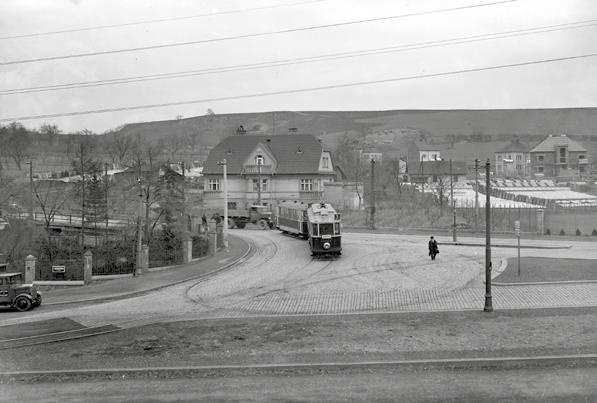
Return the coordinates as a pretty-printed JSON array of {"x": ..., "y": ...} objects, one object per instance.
[{"x": 267, "y": 168}]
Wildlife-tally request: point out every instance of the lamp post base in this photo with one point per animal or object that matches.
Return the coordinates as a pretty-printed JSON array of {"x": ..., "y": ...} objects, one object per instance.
[{"x": 488, "y": 307}]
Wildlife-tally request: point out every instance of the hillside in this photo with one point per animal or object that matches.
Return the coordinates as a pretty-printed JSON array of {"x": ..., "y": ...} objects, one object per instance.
[{"x": 437, "y": 126}]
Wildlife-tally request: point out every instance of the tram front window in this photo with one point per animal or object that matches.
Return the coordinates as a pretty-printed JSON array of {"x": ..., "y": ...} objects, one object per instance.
[{"x": 326, "y": 229}]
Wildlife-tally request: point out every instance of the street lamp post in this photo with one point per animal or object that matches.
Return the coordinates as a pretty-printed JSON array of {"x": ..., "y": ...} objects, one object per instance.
[
  {"x": 372, "y": 223},
  {"x": 488, "y": 306},
  {"x": 224, "y": 165},
  {"x": 453, "y": 203}
]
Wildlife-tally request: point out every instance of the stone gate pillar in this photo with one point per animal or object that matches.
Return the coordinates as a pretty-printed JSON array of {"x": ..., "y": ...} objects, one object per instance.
[
  {"x": 30, "y": 269},
  {"x": 88, "y": 267}
]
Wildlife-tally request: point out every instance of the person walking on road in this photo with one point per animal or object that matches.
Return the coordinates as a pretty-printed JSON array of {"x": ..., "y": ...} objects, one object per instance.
[{"x": 433, "y": 250}]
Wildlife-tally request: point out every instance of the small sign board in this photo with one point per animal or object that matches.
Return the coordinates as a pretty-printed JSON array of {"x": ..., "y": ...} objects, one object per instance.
[
  {"x": 419, "y": 179},
  {"x": 58, "y": 269},
  {"x": 517, "y": 227}
]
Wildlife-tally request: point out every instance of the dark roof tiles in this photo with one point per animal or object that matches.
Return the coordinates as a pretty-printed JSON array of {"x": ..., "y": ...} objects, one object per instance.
[{"x": 295, "y": 153}]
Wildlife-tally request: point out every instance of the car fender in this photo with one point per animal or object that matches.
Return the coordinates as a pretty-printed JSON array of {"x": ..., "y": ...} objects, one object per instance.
[{"x": 29, "y": 297}]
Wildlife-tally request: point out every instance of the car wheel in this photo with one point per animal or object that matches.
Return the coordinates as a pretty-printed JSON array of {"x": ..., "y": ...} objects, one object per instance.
[
  {"x": 262, "y": 224},
  {"x": 22, "y": 304},
  {"x": 37, "y": 301}
]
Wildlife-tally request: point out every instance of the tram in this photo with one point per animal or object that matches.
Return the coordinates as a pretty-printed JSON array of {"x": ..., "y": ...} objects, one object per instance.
[{"x": 317, "y": 222}]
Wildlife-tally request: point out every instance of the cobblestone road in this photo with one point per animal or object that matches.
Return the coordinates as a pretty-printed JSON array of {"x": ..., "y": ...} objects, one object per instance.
[
  {"x": 380, "y": 273},
  {"x": 376, "y": 273}
]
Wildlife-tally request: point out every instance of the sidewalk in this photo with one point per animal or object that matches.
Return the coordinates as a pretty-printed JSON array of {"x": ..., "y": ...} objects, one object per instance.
[{"x": 102, "y": 290}]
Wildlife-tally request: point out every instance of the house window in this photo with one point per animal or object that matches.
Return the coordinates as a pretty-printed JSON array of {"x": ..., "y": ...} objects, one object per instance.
[
  {"x": 326, "y": 162},
  {"x": 539, "y": 158},
  {"x": 519, "y": 157},
  {"x": 539, "y": 169},
  {"x": 306, "y": 185},
  {"x": 259, "y": 160},
  {"x": 562, "y": 155},
  {"x": 581, "y": 157},
  {"x": 213, "y": 184},
  {"x": 263, "y": 185}
]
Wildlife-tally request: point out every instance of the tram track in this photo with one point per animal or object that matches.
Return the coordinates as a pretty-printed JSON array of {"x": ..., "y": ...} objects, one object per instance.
[{"x": 305, "y": 368}]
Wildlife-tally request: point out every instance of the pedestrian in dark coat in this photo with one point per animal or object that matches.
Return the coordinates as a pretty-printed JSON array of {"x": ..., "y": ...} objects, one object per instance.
[{"x": 433, "y": 250}]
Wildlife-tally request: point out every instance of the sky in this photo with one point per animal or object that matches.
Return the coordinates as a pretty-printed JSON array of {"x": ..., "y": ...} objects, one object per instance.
[{"x": 181, "y": 58}]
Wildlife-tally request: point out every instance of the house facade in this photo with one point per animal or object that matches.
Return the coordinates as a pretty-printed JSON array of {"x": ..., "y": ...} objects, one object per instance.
[
  {"x": 265, "y": 169},
  {"x": 559, "y": 156},
  {"x": 513, "y": 160}
]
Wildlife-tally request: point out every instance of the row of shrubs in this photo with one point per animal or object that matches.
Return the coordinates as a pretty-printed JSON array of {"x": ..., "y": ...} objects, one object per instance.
[{"x": 562, "y": 232}]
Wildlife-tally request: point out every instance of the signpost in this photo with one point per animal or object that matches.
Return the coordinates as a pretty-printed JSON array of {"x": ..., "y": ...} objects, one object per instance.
[{"x": 517, "y": 232}]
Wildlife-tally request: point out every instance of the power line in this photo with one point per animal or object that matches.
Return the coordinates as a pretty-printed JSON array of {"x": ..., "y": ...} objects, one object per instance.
[
  {"x": 244, "y": 36},
  {"x": 295, "y": 91},
  {"x": 302, "y": 60},
  {"x": 179, "y": 18}
]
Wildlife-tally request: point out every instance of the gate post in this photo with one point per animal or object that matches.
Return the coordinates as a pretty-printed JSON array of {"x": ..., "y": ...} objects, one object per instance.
[
  {"x": 540, "y": 222},
  {"x": 187, "y": 249},
  {"x": 144, "y": 258},
  {"x": 88, "y": 267},
  {"x": 30, "y": 269}
]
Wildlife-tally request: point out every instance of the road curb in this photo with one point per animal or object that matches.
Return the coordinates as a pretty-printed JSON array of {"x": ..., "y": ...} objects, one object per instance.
[
  {"x": 143, "y": 292},
  {"x": 505, "y": 246}
]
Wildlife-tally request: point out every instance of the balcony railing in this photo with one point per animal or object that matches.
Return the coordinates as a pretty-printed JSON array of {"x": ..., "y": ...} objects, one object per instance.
[
  {"x": 256, "y": 169},
  {"x": 315, "y": 195},
  {"x": 583, "y": 160}
]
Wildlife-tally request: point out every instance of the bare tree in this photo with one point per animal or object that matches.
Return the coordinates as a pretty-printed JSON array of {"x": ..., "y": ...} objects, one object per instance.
[
  {"x": 173, "y": 144},
  {"x": 119, "y": 146},
  {"x": 51, "y": 198},
  {"x": 16, "y": 142},
  {"x": 51, "y": 132}
]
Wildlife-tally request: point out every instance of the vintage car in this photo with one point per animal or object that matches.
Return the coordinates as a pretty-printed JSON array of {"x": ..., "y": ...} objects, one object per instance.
[{"x": 20, "y": 296}]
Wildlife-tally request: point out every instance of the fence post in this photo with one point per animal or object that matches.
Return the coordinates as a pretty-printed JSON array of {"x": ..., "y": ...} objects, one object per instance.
[
  {"x": 30, "y": 269},
  {"x": 87, "y": 266}
]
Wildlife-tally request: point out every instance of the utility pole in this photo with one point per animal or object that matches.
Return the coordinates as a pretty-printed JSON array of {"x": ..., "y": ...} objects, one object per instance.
[
  {"x": 30, "y": 163},
  {"x": 476, "y": 195},
  {"x": 184, "y": 199},
  {"x": 372, "y": 224},
  {"x": 140, "y": 231},
  {"x": 82, "y": 155},
  {"x": 106, "y": 194},
  {"x": 453, "y": 203},
  {"x": 488, "y": 305},
  {"x": 31, "y": 218},
  {"x": 259, "y": 181},
  {"x": 224, "y": 165}
]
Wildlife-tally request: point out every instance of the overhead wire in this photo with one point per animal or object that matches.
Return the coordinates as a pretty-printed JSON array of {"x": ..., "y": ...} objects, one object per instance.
[
  {"x": 251, "y": 35},
  {"x": 158, "y": 20},
  {"x": 298, "y": 90},
  {"x": 310, "y": 59}
]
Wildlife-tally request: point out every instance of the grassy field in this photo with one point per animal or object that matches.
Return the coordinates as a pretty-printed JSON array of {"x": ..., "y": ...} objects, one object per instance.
[{"x": 535, "y": 269}]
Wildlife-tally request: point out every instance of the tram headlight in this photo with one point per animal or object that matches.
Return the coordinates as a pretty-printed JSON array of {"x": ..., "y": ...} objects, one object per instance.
[{"x": 326, "y": 245}]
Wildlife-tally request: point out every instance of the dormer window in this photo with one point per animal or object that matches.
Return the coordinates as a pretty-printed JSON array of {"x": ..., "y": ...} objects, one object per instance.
[
  {"x": 299, "y": 150},
  {"x": 259, "y": 160}
]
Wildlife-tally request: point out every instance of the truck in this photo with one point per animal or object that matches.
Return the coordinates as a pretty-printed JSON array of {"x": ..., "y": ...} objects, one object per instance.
[{"x": 239, "y": 218}]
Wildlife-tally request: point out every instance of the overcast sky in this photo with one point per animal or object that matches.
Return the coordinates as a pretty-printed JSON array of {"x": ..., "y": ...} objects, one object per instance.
[{"x": 396, "y": 60}]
